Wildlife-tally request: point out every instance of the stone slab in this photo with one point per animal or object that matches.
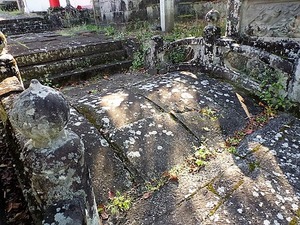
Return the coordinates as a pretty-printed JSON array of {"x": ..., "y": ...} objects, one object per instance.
[
  {"x": 106, "y": 170},
  {"x": 159, "y": 131}
]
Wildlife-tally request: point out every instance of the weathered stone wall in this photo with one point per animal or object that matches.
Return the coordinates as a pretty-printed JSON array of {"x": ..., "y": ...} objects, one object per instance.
[
  {"x": 276, "y": 18},
  {"x": 266, "y": 63},
  {"x": 119, "y": 11},
  {"x": 274, "y": 28}
]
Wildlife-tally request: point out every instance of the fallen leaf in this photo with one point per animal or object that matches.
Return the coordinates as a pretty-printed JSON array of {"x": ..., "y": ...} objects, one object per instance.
[
  {"x": 104, "y": 215},
  {"x": 241, "y": 100},
  {"x": 250, "y": 131},
  {"x": 111, "y": 195},
  {"x": 12, "y": 205},
  {"x": 146, "y": 195},
  {"x": 173, "y": 177}
]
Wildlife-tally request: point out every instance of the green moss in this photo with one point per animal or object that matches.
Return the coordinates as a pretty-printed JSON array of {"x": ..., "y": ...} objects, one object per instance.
[
  {"x": 212, "y": 189},
  {"x": 222, "y": 200},
  {"x": 253, "y": 165}
]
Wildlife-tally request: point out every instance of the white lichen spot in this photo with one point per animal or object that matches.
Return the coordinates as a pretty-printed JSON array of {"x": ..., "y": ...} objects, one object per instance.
[
  {"x": 221, "y": 190},
  {"x": 216, "y": 218},
  {"x": 273, "y": 152},
  {"x": 153, "y": 132},
  {"x": 169, "y": 133},
  {"x": 104, "y": 143},
  {"x": 276, "y": 222},
  {"x": 62, "y": 219},
  {"x": 285, "y": 145},
  {"x": 277, "y": 174},
  {"x": 280, "y": 216},
  {"x": 295, "y": 207},
  {"x": 105, "y": 121},
  {"x": 267, "y": 222},
  {"x": 186, "y": 95},
  {"x": 205, "y": 82},
  {"x": 77, "y": 124},
  {"x": 210, "y": 204},
  {"x": 135, "y": 154},
  {"x": 269, "y": 184},
  {"x": 151, "y": 124},
  {"x": 147, "y": 87},
  {"x": 30, "y": 112},
  {"x": 82, "y": 100},
  {"x": 261, "y": 204},
  {"x": 131, "y": 140},
  {"x": 255, "y": 194},
  {"x": 175, "y": 90},
  {"x": 138, "y": 132},
  {"x": 277, "y": 136},
  {"x": 240, "y": 211}
]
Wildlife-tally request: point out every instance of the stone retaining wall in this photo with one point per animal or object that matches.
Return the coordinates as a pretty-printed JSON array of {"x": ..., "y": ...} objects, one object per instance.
[{"x": 125, "y": 11}]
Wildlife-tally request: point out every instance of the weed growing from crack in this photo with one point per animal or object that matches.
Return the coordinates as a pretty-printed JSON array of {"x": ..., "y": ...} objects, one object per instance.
[
  {"x": 119, "y": 203},
  {"x": 273, "y": 90},
  {"x": 253, "y": 165},
  {"x": 254, "y": 123},
  {"x": 210, "y": 113},
  {"x": 200, "y": 158}
]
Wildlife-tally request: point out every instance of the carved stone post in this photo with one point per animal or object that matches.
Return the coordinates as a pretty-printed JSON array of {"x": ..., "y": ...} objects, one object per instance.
[
  {"x": 53, "y": 159},
  {"x": 233, "y": 18},
  {"x": 153, "y": 58},
  {"x": 210, "y": 35}
]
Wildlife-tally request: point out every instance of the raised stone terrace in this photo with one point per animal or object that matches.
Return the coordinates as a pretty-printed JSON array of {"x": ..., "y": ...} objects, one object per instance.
[
  {"x": 186, "y": 148},
  {"x": 143, "y": 137}
]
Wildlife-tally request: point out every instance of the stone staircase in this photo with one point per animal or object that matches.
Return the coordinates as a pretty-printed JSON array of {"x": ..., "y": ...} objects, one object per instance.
[
  {"x": 55, "y": 58},
  {"x": 21, "y": 25}
]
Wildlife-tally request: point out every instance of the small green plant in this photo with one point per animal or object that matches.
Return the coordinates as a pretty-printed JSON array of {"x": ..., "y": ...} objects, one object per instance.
[
  {"x": 232, "y": 149},
  {"x": 73, "y": 30},
  {"x": 47, "y": 82},
  {"x": 261, "y": 119},
  {"x": 155, "y": 185},
  {"x": 109, "y": 30},
  {"x": 210, "y": 113},
  {"x": 200, "y": 158},
  {"x": 253, "y": 166},
  {"x": 177, "y": 55},
  {"x": 119, "y": 203},
  {"x": 138, "y": 60},
  {"x": 233, "y": 141},
  {"x": 273, "y": 90}
]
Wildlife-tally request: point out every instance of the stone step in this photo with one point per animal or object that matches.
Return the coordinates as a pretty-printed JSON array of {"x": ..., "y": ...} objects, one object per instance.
[
  {"x": 24, "y": 25},
  {"x": 51, "y": 68},
  {"x": 62, "y": 52},
  {"x": 87, "y": 72},
  {"x": 53, "y": 57}
]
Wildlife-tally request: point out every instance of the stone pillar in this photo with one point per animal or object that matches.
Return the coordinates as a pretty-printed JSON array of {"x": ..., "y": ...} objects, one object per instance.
[
  {"x": 211, "y": 33},
  {"x": 233, "y": 18},
  {"x": 294, "y": 87},
  {"x": 152, "y": 60},
  {"x": 167, "y": 11},
  {"x": 59, "y": 188}
]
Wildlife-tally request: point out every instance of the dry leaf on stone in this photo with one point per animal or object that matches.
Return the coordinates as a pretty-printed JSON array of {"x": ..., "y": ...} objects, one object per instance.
[{"x": 146, "y": 195}]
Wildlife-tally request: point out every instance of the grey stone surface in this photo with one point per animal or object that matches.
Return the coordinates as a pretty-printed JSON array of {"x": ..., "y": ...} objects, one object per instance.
[{"x": 142, "y": 128}]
